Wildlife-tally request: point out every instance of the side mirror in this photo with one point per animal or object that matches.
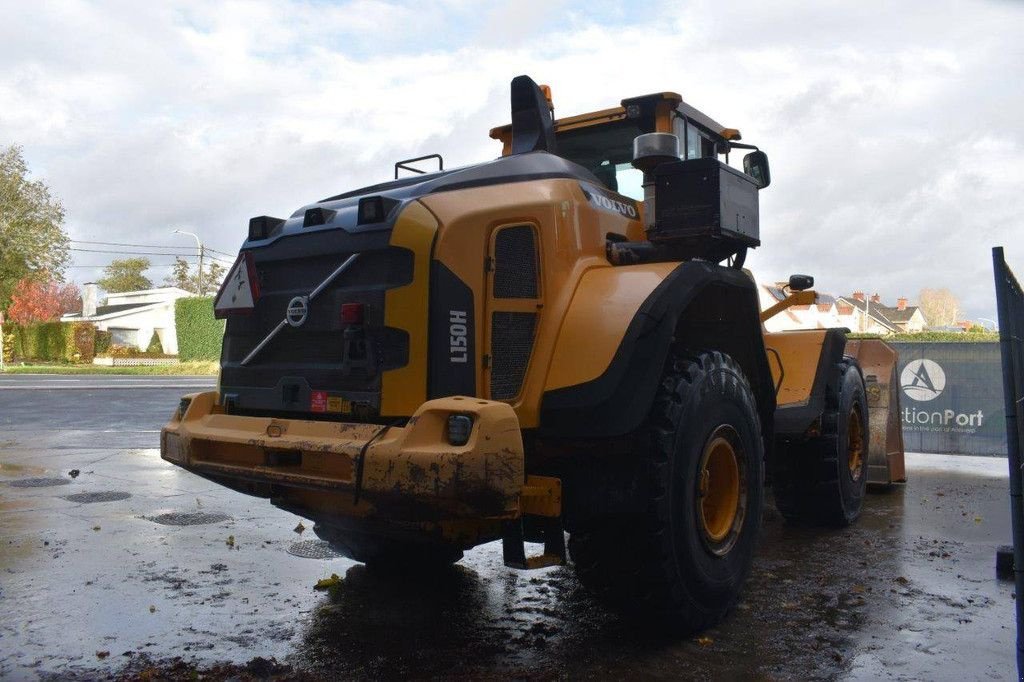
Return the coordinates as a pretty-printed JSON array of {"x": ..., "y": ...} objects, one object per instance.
[
  {"x": 755, "y": 164},
  {"x": 800, "y": 282}
]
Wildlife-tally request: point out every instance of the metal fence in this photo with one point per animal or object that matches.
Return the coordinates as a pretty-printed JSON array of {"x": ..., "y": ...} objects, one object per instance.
[{"x": 1010, "y": 300}]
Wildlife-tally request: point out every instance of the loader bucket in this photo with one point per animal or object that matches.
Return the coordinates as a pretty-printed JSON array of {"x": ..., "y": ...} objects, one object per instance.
[{"x": 877, "y": 360}]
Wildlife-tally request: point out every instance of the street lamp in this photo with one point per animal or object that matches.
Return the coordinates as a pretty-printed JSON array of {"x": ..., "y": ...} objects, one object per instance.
[{"x": 199, "y": 248}]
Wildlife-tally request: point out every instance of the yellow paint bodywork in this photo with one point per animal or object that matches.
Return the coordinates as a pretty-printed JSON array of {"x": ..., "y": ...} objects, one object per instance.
[
  {"x": 798, "y": 351},
  {"x": 601, "y": 311},
  {"x": 571, "y": 242},
  {"x": 410, "y": 470},
  {"x": 404, "y": 389}
]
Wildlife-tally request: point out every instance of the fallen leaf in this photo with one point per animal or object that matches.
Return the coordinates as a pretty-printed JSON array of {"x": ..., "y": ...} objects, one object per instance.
[
  {"x": 152, "y": 609},
  {"x": 857, "y": 589},
  {"x": 902, "y": 581},
  {"x": 327, "y": 583},
  {"x": 74, "y": 474},
  {"x": 705, "y": 641},
  {"x": 102, "y": 654},
  {"x": 95, "y": 527},
  {"x": 299, "y": 528},
  {"x": 230, "y": 542},
  {"x": 977, "y": 519}
]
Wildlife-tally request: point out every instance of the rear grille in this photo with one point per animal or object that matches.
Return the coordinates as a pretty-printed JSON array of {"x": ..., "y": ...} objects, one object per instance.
[
  {"x": 313, "y": 355},
  {"x": 511, "y": 344},
  {"x": 515, "y": 263}
]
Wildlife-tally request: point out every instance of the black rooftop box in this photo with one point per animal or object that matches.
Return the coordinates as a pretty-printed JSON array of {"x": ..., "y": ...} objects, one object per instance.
[{"x": 704, "y": 209}]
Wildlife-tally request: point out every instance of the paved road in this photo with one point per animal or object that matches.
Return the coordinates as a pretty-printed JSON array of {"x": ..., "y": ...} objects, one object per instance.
[
  {"x": 87, "y": 568},
  {"x": 93, "y": 411}
]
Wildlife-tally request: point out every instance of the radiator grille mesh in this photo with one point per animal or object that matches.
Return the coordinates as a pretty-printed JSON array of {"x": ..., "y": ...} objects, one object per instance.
[
  {"x": 515, "y": 263},
  {"x": 511, "y": 345}
]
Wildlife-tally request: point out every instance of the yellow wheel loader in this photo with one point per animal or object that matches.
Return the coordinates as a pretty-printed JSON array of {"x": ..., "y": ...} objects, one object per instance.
[{"x": 561, "y": 340}]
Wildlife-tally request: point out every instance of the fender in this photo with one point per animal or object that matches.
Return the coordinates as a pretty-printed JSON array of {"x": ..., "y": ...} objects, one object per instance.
[{"x": 697, "y": 305}]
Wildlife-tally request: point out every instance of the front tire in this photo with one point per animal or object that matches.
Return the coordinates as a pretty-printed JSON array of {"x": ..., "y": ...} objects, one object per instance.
[
  {"x": 824, "y": 479},
  {"x": 685, "y": 559}
]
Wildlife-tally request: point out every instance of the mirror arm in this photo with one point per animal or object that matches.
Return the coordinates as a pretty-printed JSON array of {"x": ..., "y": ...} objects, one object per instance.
[{"x": 806, "y": 297}]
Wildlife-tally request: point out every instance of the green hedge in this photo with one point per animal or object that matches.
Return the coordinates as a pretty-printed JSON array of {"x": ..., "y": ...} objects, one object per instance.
[
  {"x": 935, "y": 337},
  {"x": 103, "y": 341},
  {"x": 56, "y": 341},
  {"x": 199, "y": 332}
]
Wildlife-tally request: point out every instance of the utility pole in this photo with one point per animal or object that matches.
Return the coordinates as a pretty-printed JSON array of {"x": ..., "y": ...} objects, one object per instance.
[{"x": 199, "y": 249}]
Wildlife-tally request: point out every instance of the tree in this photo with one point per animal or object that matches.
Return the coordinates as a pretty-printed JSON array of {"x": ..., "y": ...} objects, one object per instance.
[
  {"x": 940, "y": 307},
  {"x": 184, "y": 277},
  {"x": 34, "y": 301},
  {"x": 70, "y": 298},
  {"x": 125, "y": 274},
  {"x": 33, "y": 243}
]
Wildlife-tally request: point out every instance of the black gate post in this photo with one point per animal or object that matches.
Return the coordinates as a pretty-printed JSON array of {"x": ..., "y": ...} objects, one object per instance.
[{"x": 1010, "y": 302}]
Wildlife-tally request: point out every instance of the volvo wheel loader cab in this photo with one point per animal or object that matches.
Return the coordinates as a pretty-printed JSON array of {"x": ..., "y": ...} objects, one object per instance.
[{"x": 561, "y": 339}]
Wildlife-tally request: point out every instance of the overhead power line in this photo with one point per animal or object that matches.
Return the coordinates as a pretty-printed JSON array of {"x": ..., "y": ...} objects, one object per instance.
[
  {"x": 141, "y": 246},
  {"x": 148, "y": 253}
]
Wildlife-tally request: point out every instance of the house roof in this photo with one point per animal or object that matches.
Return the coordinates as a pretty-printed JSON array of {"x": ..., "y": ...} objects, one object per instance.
[
  {"x": 108, "y": 311},
  {"x": 876, "y": 311}
]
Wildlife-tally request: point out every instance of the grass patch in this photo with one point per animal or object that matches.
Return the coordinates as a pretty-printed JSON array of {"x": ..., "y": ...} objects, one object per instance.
[{"x": 198, "y": 367}]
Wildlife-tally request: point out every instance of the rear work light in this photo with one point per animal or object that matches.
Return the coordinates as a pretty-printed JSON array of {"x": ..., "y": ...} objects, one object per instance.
[
  {"x": 352, "y": 313},
  {"x": 459, "y": 428},
  {"x": 263, "y": 226},
  {"x": 374, "y": 209}
]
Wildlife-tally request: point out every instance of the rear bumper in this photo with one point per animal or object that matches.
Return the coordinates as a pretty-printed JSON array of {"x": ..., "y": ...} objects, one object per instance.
[{"x": 398, "y": 474}]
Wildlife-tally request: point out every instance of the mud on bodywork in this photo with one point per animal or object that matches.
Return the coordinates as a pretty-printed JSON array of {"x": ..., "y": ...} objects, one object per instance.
[{"x": 409, "y": 475}]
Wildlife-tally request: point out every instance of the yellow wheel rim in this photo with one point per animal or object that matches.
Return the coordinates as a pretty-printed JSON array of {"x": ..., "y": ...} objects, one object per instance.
[
  {"x": 855, "y": 432},
  {"x": 721, "y": 493}
]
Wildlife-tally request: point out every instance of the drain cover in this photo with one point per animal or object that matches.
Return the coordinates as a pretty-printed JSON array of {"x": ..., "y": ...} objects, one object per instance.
[
  {"x": 38, "y": 482},
  {"x": 105, "y": 496},
  {"x": 188, "y": 518},
  {"x": 313, "y": 549}
]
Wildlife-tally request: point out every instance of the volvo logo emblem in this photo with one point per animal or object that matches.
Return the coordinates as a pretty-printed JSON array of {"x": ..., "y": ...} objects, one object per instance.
[{"x": 298, "y": 309}]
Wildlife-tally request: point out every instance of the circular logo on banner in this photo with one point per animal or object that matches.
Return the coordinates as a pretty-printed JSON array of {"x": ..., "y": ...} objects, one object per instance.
[
  {"x": 297, "y": 311},
  {"x": 923, "y": 380}
]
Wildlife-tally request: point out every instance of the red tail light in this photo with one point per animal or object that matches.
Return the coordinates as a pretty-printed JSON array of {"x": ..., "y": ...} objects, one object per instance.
[{"x": 352, "y": 313}]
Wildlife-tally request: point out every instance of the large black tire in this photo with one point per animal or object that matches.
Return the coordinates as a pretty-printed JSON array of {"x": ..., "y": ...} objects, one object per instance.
[
  {"x": 386, "y": 554},
  {"x": 665, "y": 564},
  {"x": 823, "y": 479}
]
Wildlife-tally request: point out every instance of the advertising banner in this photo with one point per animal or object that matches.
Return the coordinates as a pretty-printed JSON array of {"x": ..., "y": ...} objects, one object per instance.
[{"x": 951, "y": 398}]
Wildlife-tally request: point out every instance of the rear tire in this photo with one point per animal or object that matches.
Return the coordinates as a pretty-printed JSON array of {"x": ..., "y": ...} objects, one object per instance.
[
  {"x": 823, "y": 480},
  {"x": 685, "y": 559}
]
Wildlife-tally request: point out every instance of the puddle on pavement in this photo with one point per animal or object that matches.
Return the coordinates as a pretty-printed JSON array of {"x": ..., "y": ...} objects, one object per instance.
[
  {"x": 38, "y": 482},
  {"x": 188, "y": 518},
  {"x": 10, "y": 469},
  {"x": 102, "y": 496},
  {"x": 313, "y": 549}
]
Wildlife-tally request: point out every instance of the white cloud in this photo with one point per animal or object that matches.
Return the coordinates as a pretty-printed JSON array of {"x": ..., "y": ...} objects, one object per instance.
[{"x": 893, "y": 135}]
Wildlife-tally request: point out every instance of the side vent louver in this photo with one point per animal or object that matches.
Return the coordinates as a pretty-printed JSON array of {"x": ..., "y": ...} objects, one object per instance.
[
  {"x": 511, "y": 345},
  {"x": 512, "y": 332},
  {"x": 515, "y": 263}
]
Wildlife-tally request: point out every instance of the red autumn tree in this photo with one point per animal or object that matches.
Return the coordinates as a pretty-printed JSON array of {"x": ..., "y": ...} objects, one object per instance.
[
  {"x": 34, "y": 301},
  {"x": 70, "y": 298}
]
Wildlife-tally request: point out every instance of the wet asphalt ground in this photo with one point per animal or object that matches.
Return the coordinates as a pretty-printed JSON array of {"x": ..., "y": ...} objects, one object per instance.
[{"x": 134, "y": 566}]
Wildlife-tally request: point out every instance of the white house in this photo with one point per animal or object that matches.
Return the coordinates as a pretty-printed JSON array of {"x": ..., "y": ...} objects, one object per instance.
[{"x": 131, "y": 317}]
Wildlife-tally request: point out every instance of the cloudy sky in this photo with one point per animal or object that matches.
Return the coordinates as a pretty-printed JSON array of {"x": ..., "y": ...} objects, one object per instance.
[{"x": 895, "y": 135}]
